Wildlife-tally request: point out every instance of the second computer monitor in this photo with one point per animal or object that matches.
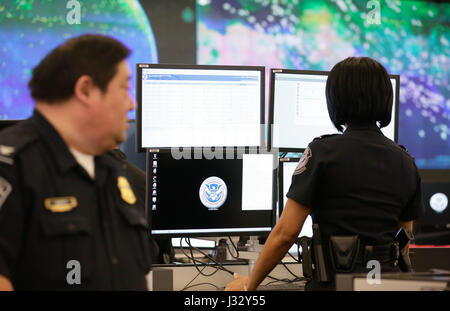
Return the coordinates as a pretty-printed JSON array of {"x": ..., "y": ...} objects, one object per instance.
[
  {"x": 287, "y": 167},
  {"x": 199, "y": 106},
  {"x": 298, "y": 109},
  {"x": 191, "y": 197}
]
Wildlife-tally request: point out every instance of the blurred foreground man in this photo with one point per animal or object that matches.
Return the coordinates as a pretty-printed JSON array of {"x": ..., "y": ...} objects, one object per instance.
[{"x": 69, "y": 217}]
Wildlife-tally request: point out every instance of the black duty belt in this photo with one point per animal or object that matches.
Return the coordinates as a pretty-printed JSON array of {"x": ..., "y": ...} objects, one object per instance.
[
  {"x": 382, "y": 253},
  {"x": 347, "y": 251}
]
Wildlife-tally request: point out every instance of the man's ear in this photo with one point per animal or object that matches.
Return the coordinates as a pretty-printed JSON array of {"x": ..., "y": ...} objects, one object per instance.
[{"x": 85, "y": 89}]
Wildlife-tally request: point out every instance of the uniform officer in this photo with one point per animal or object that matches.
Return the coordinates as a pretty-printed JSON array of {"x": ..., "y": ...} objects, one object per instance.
[
  {"x": 358, "y": 183},
  {"x": 69, "y": 217}
]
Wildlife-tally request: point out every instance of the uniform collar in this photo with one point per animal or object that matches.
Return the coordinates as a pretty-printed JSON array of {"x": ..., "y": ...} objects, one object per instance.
[
  {"x": 363, "y": 127},
  {"x": 63, "y": 157},
  {"x": 108, "y": 160}
]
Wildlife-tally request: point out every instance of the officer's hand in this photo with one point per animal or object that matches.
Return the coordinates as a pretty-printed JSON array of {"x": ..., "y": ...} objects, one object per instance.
[
  {"x": 5, "y": 284},
  {"x": 237, "y": 284}
]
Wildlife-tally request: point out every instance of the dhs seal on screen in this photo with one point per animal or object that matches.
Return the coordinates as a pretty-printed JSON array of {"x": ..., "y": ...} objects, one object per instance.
[{"x": 213, "y": 193}]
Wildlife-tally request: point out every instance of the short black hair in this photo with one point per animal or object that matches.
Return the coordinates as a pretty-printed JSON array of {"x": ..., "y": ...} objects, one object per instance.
[
  {"x": 95, "y": 55},
  {"x": 359, "y": 91}
]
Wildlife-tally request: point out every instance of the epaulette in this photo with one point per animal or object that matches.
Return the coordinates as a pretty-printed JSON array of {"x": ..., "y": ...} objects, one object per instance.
[
  {"x": 13, "y": 140},
  {"x": 325, "y": 136},
  {"x": 117, "y": 154},
  {"x": 404, "y": 148}
]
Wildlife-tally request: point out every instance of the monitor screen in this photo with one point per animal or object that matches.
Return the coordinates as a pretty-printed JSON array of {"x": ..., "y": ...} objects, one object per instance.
[
  {"x": 287, "y": 167},
  {"x": 197, "y": 106},
  {"x": 435, "y": 196},
  {"x": 298, "y": 109},
  {"x": 218, "y": 197}
]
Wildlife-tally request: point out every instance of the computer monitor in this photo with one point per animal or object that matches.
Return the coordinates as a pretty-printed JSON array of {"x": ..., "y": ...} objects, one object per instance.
[
  {"x": 435, "y": 196},
  {"x": 199, "y": 106},
  {"x": 298, "y": 109},
  {"x": 217, "y": 197},
  {"x": 286, "y": 169}
]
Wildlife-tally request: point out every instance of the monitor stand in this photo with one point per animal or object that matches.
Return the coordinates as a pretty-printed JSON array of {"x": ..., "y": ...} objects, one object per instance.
[{"x": 252, "y": 253}]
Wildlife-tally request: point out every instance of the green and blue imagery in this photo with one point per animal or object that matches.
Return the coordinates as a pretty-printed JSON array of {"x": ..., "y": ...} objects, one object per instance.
[
  {"x": 410, "y": 38},
  {"x": 31, "y": 29}
]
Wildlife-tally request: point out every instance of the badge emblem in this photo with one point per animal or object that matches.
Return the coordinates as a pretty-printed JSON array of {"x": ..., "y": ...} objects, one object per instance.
[
  {"x": 5, "y": 190},
  {"x": 126, "y": 192},
  {"x": 60, "y": 204},
  {"x": 5, "y": 154},
  {"x": 213, "y": 193},
  {"x": 301, "y": 167},
  {"x": 6, "y": 150}
]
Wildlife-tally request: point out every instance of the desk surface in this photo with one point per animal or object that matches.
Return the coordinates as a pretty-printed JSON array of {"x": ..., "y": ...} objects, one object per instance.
[
  {"x": 187, "y": 277},
  {"x": 413, "y": 281}
]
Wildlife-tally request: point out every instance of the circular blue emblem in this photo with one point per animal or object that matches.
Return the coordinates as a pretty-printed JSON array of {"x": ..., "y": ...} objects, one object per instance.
[{"x": 213, "y": 192}]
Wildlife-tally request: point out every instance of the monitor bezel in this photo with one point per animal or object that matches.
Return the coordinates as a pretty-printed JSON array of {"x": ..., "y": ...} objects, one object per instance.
[
  {"x": 429, "y": 216},
  {"x": 431, "y": 177},
  {"x": 280, "y": 181},
  {"x": 141, "y": 66},
  {"x": 217, "y": 233},
  {"x": 281, "y": 197},
  {"x": 274, "y": 71}
]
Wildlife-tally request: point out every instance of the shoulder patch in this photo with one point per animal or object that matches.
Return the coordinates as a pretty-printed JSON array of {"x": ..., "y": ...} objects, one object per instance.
[
  {"x": 301, "y": 167},
  {"x": 5, "y": 154},
  {"x": 14, "y": 139},
  {"x": 6, "y": 160},
  {"x": 5, "y": 190},
  {"x": 6, "y": 150},
  {"x": 325, "y": 136}
]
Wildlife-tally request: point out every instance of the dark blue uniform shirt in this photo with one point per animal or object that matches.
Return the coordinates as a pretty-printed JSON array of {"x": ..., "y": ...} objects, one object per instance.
[
  {"x": 358, "y": 183},
  {"x": 52, "y": 212}
]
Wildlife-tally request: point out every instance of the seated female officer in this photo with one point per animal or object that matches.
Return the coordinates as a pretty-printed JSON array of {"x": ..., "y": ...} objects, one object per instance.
[{"x": 358, "y": 184}]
